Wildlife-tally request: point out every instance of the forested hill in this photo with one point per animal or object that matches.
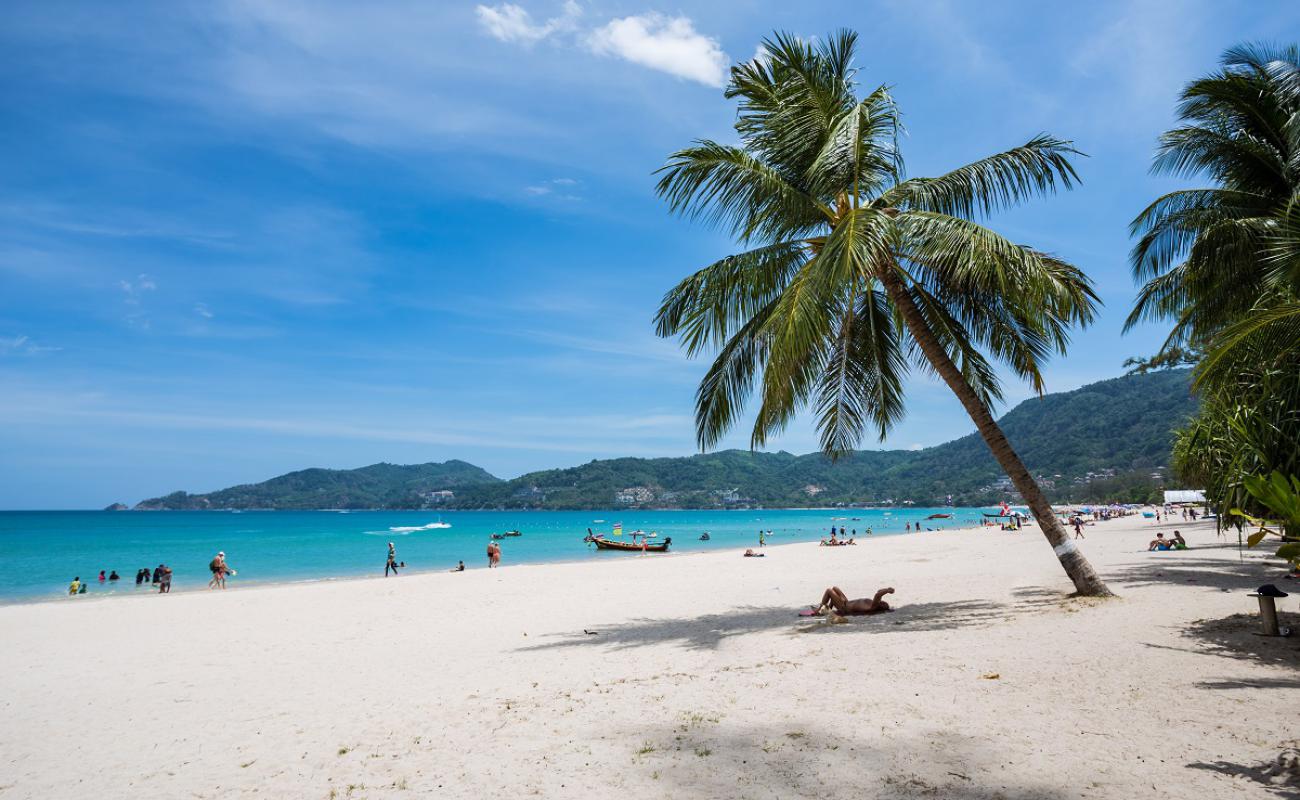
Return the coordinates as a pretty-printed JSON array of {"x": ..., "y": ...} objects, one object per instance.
[
  {"x": 1107, "y": 440},
  {"x": 375, "y": 486}
]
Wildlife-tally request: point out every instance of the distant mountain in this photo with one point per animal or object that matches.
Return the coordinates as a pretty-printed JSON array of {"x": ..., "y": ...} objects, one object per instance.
[
  {"x": 375, "y": 486},
  {"x": 1107, "y": 440}
]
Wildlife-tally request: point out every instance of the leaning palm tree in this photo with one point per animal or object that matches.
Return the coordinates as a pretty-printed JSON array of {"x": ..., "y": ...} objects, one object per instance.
[
  {"x": 1203, "y": 253},
  {"x": 855, "y": 274}
]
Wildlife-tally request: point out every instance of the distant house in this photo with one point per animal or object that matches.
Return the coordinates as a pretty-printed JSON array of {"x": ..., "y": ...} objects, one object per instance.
[
  {"x": 728, "y": 496},
  {"x": 812, "y": 490},
  {"x": 1184, "y": 495},
  {"x": 442, "y": 496},
  {"x": 634, "y": 495}
]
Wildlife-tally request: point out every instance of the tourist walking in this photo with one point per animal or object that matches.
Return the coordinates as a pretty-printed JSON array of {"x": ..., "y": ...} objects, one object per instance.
[
  {"x": 218, "y": 567},
  {"x": 392, "y": 560}
]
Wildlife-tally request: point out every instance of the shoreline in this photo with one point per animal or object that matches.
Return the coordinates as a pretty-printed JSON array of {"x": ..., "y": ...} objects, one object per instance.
[
  {"x": 130, "y": 592},
  {"x": 694, "y": 675},
  {"x": 44, "y": 552}
]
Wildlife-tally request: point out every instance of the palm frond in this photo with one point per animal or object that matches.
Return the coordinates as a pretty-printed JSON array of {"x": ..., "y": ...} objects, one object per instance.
[
  {"x": 724, "y": 185},
  {"x": 997, "y": 182},
  {"x": 709, "y": 306},
  {"x": 863, "y": 384}
]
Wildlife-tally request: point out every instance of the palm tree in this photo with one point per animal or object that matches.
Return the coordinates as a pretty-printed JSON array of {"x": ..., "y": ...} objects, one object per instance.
[
  {"x": 1203, "y": 252},
  {"x": 855, "y": 274}
]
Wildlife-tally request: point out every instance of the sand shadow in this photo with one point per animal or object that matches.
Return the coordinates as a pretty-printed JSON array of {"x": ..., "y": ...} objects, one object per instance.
[
  {"x": 1236, "y": 636},
  {"x": 804, "y": 762},
  {"x": 1281, "y": 776},
  {"x": 1185, "y": 568},
  {"x": 708, "y": 631}
]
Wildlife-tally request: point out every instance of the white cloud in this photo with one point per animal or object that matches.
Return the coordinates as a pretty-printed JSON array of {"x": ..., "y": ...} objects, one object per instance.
[
  {"x": 23, "y": 345},
  {"x": 134, "y": 288},
  {"x": 511, "y": 23},
  {"x": 202, "y": 310},
  {"x": 667, "y": 44}
]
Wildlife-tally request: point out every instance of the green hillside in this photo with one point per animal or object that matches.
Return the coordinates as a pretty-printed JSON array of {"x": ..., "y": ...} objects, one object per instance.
[
  {"x": 1103, "y": 441},
  {"x": 375, "y": 486}
]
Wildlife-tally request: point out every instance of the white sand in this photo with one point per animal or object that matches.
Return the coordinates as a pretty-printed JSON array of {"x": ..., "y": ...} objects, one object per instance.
[{"x": 700, "y": 683}]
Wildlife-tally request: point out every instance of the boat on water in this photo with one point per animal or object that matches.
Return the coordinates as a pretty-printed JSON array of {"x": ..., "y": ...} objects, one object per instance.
[
  {"x": 603, "y": 542},
  {"x": 940, "y": 516},
  {"x": 506, "y": 534},
  {"x": 633, "y": 546},
  {"x": 432, "y": 526}
]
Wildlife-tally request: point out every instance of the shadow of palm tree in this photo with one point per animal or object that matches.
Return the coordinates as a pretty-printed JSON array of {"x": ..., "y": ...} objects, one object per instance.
[
  {"x": 809, "y": 763},
  {"x": 1181, "y": 568},
  {"x": 1237, "y": 636},
  {"x": 1250, "y": 683},
  {"x": 1281, "y": 776},
  {"x": 708, "y": 631}
]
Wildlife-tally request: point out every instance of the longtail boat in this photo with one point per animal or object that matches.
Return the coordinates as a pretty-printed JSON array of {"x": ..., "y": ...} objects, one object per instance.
[
  {"x": 940, "y": 516},
  {"x": 643, "y": 546}
]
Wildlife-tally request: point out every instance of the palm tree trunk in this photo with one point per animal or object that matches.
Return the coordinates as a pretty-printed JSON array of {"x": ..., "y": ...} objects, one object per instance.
[{"x": 1086, "y": 580}]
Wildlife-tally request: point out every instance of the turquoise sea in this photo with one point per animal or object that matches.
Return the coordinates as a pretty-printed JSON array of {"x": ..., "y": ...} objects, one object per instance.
[{"x": 42, "y": 551}]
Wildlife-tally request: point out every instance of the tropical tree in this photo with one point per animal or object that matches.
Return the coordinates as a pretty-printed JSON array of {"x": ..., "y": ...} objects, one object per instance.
[
  {"x": 855, "y": 273},
  {"x": 1201, "y": 253},
  {"x": 1223, "y": 264}
]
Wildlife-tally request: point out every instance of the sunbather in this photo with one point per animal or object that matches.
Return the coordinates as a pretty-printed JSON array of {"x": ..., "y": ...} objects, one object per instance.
[{"x": 835, "y": 600}]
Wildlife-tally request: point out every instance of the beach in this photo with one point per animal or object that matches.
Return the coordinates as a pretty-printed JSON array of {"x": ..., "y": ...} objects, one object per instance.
[{"x": 698, "y": 679}]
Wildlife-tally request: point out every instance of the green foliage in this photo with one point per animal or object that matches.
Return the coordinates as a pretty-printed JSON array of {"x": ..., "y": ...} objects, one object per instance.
[
  {"x": 376, "y": 486},
  {"x": 1201, "y": 251},
  {"x": 1171, "y": 357},
  {"x": 819, "y": 315},
  {"x": 1223, "y": 263},
  {"x": 1248, "y": 425},
  {"x": 1280, "y": 495}
]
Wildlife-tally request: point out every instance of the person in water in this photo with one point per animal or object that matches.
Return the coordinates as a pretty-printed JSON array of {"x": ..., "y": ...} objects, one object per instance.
[
  {"x": 75, "y": 585},
  {"x": 113, "y": 576},
  {"x": 140, "y": 575},
  {"x": 101, "y": 576},
  {"x": 835, "y": 600},
  {"x": 165, "y": 586}
]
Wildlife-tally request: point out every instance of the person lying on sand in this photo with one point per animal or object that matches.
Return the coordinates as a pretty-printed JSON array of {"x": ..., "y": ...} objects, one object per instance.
[
  {"x": 835, "y": 599},
  {"x": 751, "y": 554}
]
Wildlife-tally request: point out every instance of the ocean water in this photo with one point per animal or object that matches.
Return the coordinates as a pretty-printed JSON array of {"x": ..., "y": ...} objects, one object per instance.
[{"x": 42, "y": 551}]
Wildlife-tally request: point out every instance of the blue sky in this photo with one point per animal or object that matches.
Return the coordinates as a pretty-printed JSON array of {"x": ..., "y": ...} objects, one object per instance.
[{"x": 239, "y": 238}]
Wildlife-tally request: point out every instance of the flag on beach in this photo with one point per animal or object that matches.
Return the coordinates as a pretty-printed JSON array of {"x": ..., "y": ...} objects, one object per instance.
[{"x": 618, "y": 529}]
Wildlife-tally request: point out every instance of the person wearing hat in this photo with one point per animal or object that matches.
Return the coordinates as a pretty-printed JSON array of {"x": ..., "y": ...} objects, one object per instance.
[{"x": 218, "y": 567}]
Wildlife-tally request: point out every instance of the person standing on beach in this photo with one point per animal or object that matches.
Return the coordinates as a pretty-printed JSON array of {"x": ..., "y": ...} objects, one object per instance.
[
  {"x": 165, "y": 586},
  {"x": 218, "y": 567},
  {"x": 762, "y": 539},
  {"x": 392, "y": 560},
  {"x": 1078, "y": 527}
]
